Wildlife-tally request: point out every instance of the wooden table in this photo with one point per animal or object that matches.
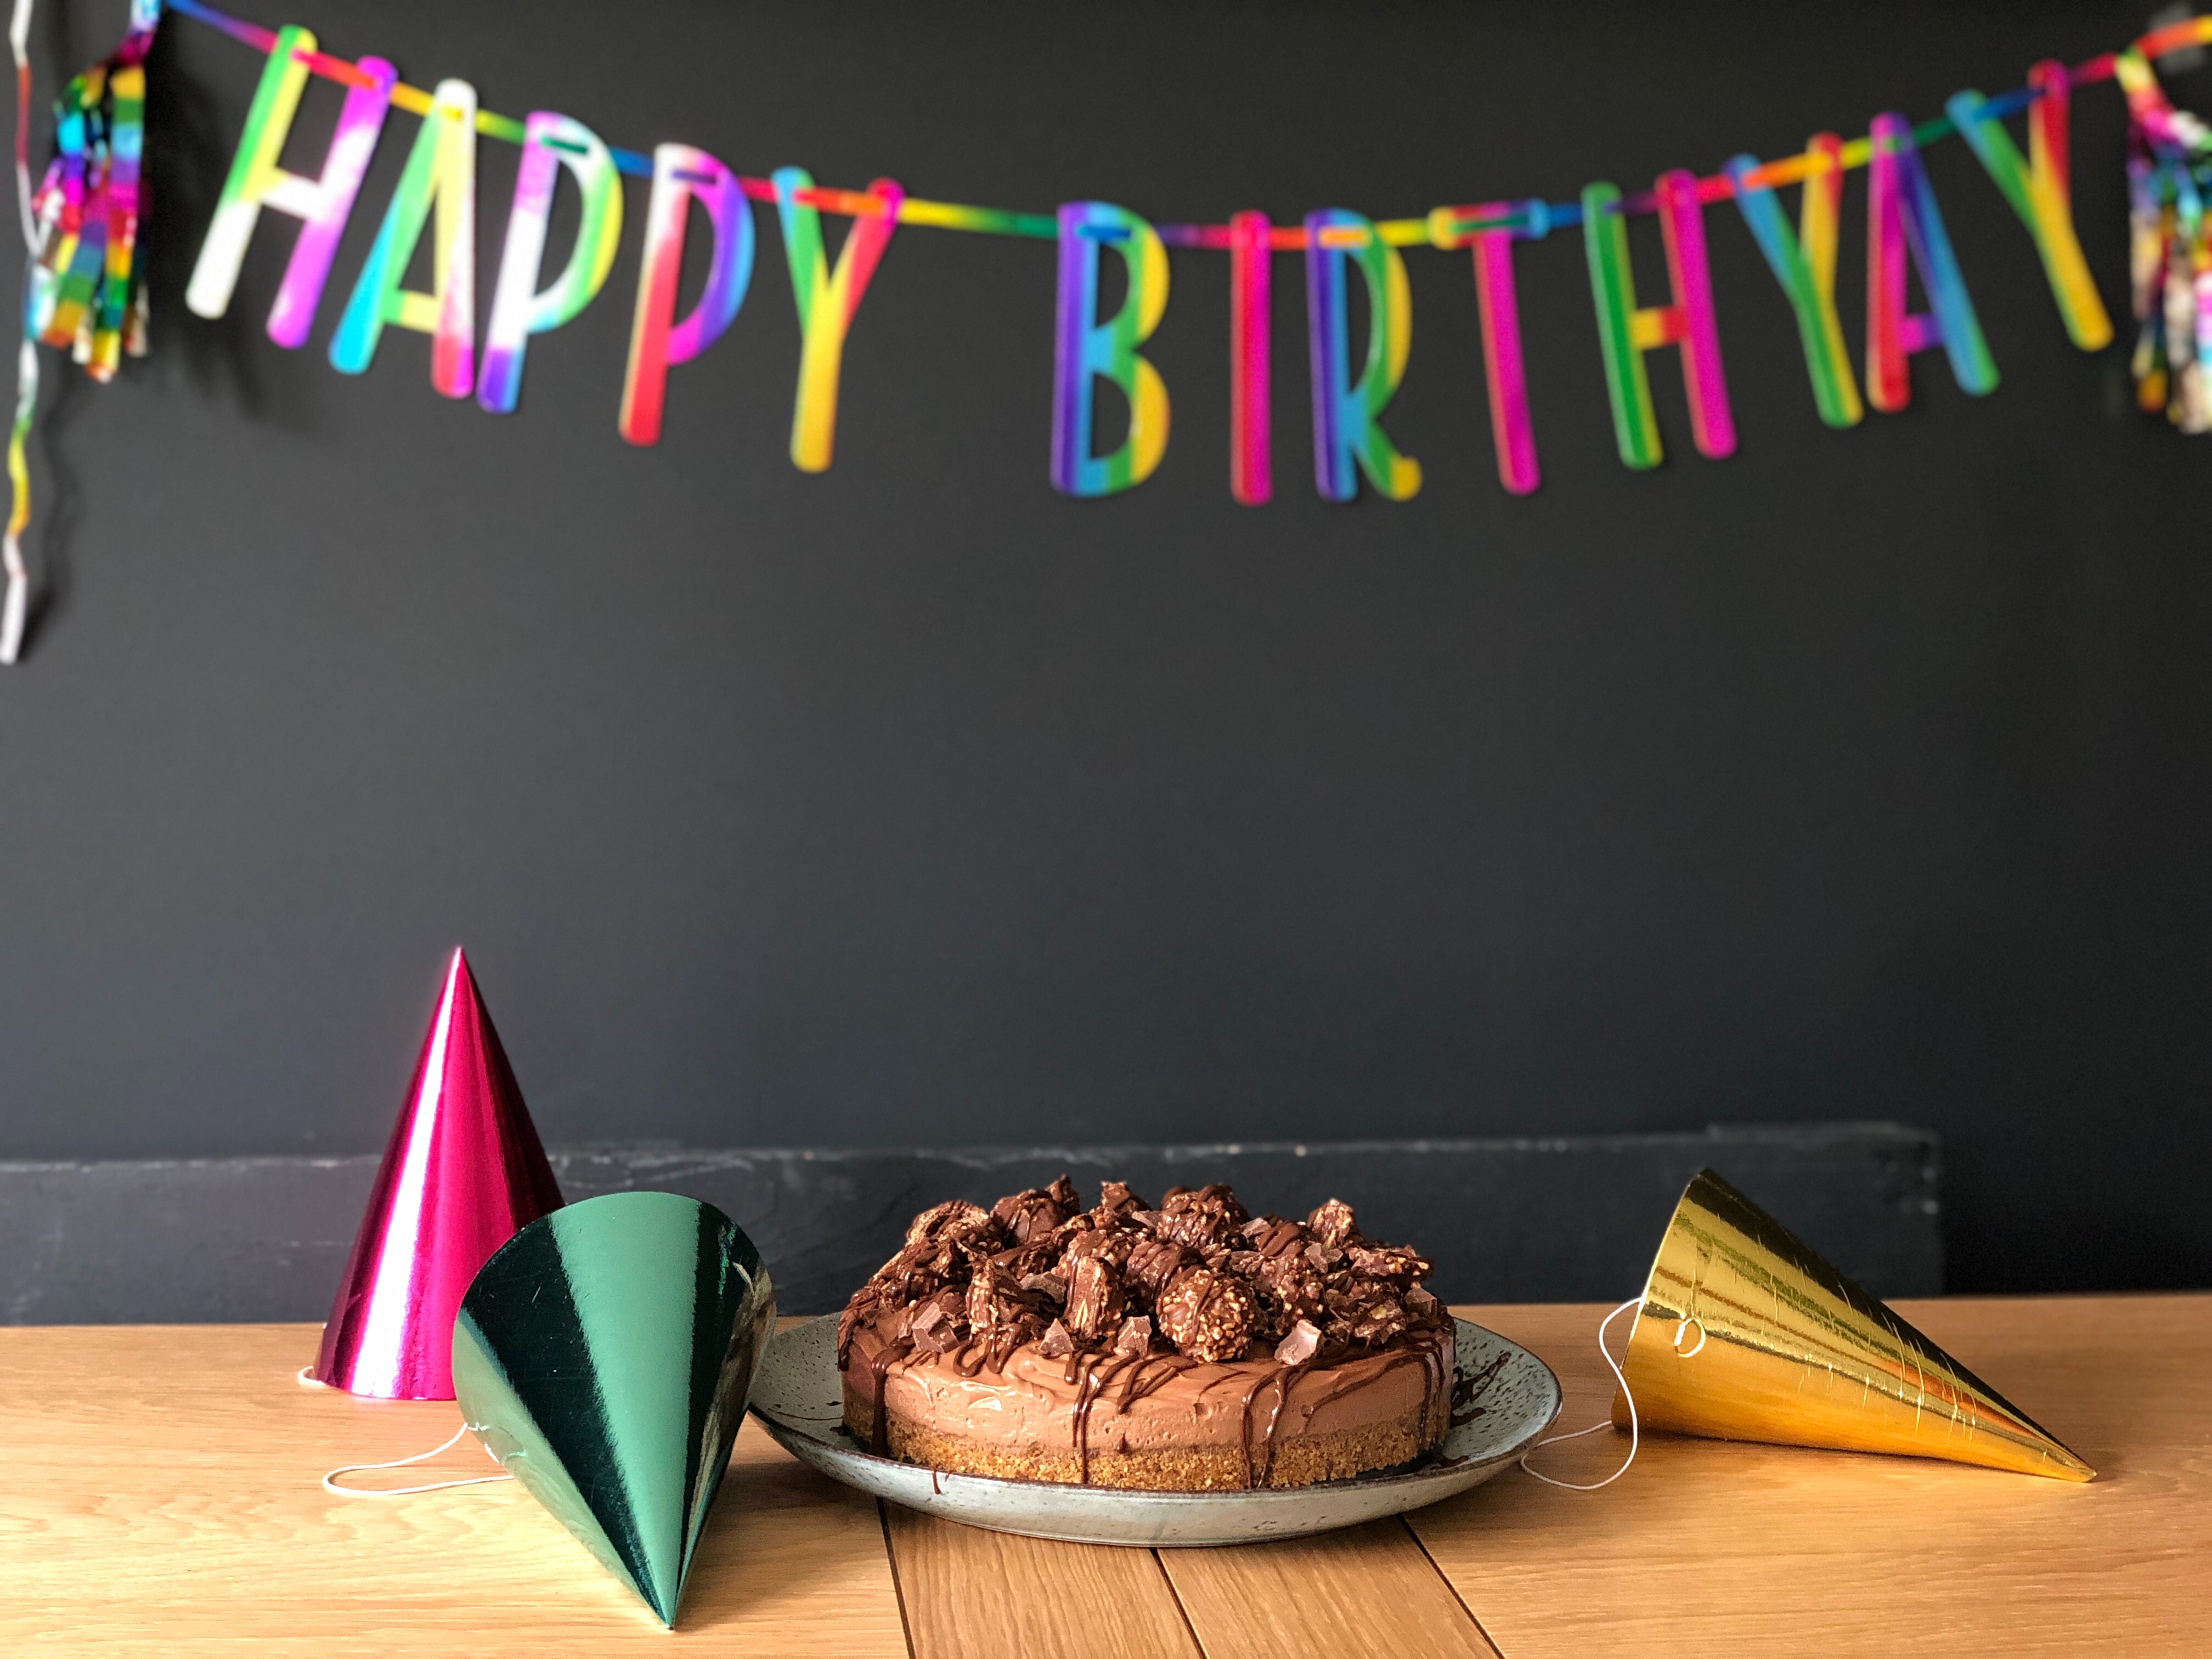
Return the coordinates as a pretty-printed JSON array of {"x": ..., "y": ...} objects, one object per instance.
[{"x": 158, "y": 1495}]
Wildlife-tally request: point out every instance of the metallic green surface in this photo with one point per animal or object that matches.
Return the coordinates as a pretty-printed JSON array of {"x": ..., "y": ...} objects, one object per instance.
[{"x": 603, "y": 1356}]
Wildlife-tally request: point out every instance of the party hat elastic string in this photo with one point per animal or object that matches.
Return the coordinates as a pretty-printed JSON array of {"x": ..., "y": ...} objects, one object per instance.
[
  {"x": 330, "y": 1479},
  {"x": 1604, "y": 1325}
]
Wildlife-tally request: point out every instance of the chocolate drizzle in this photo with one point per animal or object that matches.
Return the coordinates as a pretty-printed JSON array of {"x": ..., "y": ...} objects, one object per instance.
[
  {"x": 879, "y": 1419},
  {"x": 1087, "y": 1396},
  {"x": 1131, "y": 1297},
  {"x": 1283, "y": 1377}
]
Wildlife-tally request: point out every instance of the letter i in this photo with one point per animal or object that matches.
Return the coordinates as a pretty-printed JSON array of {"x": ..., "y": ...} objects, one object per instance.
[{"x": 1251, "y": 464}]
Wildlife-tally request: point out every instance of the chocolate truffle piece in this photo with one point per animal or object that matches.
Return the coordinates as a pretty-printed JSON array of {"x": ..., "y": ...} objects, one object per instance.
[
  {"x": 1112, "y": 1245},
  {"x": 1204, "y": 1219},
  {"x": 1095, "y": 1300},
  {"x": 1208, "y": 1316}
]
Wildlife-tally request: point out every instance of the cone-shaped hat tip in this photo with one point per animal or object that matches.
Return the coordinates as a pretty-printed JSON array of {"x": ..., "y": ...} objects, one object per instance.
[{"x": 463, "y": 1170}]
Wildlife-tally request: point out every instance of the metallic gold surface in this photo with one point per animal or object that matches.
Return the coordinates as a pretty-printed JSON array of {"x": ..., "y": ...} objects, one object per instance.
[
  {"x": 603, "y": 1355},
  {"x": 1745, "y": 1334}
]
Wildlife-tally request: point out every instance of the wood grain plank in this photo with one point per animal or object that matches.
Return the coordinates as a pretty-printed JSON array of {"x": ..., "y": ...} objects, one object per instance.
[
  {"x": 162, "y": 1497},
  {"x": 976, "y": 1595},
  {"x": 1721, "y": 1549},
  {"x": 1367, "y": 1589}
]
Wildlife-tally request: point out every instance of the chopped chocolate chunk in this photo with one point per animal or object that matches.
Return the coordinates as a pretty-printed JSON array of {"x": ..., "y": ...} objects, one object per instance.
[
  {"x": 1209, "y": 1316},
  {"x": 1115, "y": 1198},
  {"x": 1110, "y": 1245},
  {"x": 1095, "y": 1299},
  {"x": 954, "y": 1220},
  {"x": 1152, "y": 1264},
  {"x": 1148, "y": 1220},
  {"x": 1367, "y": 1311},
  {"x": 1422, "y": 1305},
  {"x": 1135, "y": 1335},
  {"x": 1039, "y": 1255},
  {"x": 1395, "y": 1262},
  {"x": 939, "y": 1324},
  {"x": 1025, "y": 1215},
  {"x": 1302, "y": 1343},
  {"x": 1333, "y": 1224},
  {"x": 1003, "y": 1314},
  {"x": 1291, "y": 1281},
  {"x": 1062, "y": 1193},
  {"x": 1050, "y": 1284},
  {"x": 1056, "y": 1343},
  {"x": 1324, "y": 1259},
  {"x": 1273, "y": 1236}
]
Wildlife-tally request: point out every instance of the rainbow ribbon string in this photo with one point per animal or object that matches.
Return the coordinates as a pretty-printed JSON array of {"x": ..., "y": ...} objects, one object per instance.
[{"x": 1445, "y": 227}]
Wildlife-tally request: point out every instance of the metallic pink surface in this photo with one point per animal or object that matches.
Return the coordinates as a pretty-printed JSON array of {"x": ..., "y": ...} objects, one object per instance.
[{"x": 464, "y": 1173}]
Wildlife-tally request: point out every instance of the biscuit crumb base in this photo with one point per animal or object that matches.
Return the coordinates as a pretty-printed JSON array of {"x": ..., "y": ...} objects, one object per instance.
[{"x": 1301, "y": 1459}]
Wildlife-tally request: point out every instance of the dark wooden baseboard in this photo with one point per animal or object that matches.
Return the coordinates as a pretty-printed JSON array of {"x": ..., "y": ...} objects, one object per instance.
[{"x": 1573, "y": 1218}]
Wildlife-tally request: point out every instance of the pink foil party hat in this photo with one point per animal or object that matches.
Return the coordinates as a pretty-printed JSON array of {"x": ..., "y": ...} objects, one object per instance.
[{"x": 463, "y": 1175}]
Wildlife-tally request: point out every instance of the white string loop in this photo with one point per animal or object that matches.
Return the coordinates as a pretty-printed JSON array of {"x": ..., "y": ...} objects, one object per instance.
[
  {"x": 1604, "y": 1325},
  {"x": 330, "y": 1484}
]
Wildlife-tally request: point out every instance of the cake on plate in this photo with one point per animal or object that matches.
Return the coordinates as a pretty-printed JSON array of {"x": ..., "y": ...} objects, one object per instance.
[{"x": 1189, "y": 1347}]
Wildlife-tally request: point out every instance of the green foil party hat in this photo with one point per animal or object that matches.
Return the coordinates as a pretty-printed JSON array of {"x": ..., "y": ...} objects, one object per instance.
[{"x": 603, "y": 1355}]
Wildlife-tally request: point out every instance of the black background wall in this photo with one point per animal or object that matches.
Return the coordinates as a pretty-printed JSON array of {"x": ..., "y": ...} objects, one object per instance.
[{"x": 1862, "y": 775}]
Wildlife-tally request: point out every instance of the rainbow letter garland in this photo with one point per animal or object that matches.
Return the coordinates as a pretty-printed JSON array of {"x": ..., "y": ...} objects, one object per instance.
[{"x": 85, "y": 288}]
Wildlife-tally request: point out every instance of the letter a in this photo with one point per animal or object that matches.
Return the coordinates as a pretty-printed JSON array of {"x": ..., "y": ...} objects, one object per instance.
[
  {"x": 442, "y": 166},
  {"x": 256, "y": 182}
]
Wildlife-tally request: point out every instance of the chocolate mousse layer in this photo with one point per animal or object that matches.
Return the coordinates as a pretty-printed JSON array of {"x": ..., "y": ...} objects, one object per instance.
[{"x": 1186, "y": 1347}]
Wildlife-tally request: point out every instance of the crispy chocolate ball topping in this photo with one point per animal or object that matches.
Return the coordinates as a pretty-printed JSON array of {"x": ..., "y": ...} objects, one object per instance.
[{"x": 1199, "y": 1276}]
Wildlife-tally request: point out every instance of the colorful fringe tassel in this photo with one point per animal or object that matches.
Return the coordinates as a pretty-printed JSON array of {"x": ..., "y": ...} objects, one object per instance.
[
  {"x": 2170, "y": 252},
  {"x": 85, "y": 289}
]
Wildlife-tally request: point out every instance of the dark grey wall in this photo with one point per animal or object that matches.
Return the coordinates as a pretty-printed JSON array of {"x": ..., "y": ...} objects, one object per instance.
[
  {"x": 1552, "y": 1220},
  {"x": 1862, "y": 774}
]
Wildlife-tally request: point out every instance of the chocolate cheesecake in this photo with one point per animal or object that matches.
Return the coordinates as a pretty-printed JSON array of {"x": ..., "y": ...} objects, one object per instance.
[{"x": 1186, "y": 1348}]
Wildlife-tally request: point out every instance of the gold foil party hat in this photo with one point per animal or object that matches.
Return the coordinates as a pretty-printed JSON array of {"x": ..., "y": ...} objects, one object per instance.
[{"x": 1745, "y": 1334}]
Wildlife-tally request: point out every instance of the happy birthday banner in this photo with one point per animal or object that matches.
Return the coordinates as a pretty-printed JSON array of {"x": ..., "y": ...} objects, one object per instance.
[{"x": 86, "y": 291}]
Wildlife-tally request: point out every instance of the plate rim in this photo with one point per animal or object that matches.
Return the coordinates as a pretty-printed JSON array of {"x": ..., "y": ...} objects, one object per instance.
[{"x": 1428, "y": 1472}]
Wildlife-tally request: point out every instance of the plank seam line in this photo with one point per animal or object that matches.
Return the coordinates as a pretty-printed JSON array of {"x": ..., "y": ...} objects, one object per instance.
[
  {"x": 1181, "y": 1611},
  {"x": 898, "y": 1589},
  {"x": 1421, "y": 1545}
]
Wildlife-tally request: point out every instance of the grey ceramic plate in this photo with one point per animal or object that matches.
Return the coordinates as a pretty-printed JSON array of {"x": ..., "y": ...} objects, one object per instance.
[{"x": 796, "y": 1393}]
